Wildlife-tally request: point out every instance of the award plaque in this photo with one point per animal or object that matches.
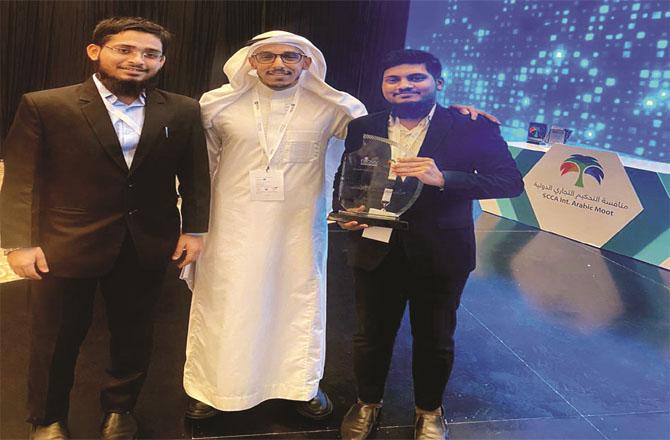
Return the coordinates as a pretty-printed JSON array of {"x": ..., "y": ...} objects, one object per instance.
[
  {"x": 537, "y": 132},
  {"x": 369, "y": 192},
  {"x": 557, "y": 135}
]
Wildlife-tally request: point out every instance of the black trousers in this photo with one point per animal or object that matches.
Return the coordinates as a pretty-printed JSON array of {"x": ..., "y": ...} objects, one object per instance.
[
  {"x": 61, "y": 312},
  {"x": 381, "y": 297}
]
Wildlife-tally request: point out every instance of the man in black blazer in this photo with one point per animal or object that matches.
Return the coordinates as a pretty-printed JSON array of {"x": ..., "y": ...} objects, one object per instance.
[
  {"x": 458, "y": 160},
  {"x": 88, "y": 201}
]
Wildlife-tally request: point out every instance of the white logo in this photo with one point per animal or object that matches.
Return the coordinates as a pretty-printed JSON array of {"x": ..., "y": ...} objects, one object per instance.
[{"x": 367, "y": 162}]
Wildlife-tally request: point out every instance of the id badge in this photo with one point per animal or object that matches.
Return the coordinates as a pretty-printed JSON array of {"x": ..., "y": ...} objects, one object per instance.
[
  {"x": 378, "y": 233},
  {"x": 266, "y": 185}
]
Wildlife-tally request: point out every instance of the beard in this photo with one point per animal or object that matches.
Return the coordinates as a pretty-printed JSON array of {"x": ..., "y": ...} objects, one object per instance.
[
  {"x": 125, "y": 87},
  {"x": 412, "y": 110}
]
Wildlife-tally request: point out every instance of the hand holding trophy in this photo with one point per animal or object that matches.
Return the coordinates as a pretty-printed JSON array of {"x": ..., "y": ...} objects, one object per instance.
[{"x": 369, "y": 192}]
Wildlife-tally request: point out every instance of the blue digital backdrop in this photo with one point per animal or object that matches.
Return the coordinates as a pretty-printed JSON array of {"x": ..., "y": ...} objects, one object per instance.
[{"x": 600, "y": 68}]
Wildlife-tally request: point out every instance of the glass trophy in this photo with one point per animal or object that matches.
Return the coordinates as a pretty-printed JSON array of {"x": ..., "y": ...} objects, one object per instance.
[{"x": 369, "y": 192}]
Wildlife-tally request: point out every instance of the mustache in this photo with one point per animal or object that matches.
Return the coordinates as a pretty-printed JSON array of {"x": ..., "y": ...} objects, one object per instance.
[
  {"x": 135, "y": 67},
  {"x": 406, "y": 91},
  {"x": 280, "y": 70}
]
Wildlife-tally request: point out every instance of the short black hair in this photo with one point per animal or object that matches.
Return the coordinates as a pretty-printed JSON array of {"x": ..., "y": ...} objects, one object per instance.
[
  {"x": 412, "y": 56},
  {"x": 115, "y": 25}
]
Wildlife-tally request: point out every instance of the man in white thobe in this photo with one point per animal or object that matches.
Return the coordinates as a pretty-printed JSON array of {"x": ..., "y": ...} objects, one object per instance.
[{"x": 258, "y": 315}]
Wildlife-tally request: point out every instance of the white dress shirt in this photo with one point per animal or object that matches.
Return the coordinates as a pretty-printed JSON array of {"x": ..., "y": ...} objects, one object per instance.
[
  {"x": 409, "y": 140},
  {"x": 127, "y": 119}
]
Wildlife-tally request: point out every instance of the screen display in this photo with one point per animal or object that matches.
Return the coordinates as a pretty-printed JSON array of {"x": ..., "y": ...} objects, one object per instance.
[{"x": 599, "y": 68}]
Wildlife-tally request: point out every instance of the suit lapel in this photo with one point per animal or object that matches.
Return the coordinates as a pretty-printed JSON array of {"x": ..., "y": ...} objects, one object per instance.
[
  {"x": 155, "y": 121},
  {"x": 379, "y": 125},
  {"x": 98, "y": 118},
  {"x": 439, "y": 126}
]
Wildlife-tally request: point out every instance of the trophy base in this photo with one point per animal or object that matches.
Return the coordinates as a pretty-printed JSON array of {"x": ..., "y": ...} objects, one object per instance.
[{"x": 369, "y": 219}]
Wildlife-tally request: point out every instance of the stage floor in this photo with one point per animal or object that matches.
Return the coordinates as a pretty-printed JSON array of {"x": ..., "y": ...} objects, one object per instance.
[{"x": 556, "y": 340}]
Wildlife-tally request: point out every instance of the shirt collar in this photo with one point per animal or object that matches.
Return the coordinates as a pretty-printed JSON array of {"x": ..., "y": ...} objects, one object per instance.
[
  {"x": 112, "y": 99},
  {"x": 394, "y": 121}
]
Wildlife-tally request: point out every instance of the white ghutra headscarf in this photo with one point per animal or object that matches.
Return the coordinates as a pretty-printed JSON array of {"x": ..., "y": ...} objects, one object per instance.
[{"x": 242, "y": 77}]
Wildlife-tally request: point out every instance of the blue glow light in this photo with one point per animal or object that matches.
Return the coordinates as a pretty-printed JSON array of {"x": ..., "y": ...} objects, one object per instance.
[{"x": 599, "y": 66}]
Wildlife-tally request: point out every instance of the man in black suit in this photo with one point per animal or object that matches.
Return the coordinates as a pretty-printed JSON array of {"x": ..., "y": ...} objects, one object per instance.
[
  {"x": 89, "y": 201},
  {"x": 458, "y": 160}
]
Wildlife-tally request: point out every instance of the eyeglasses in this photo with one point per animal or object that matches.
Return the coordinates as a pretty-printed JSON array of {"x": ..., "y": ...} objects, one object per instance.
[
  {"x": 151, "y": 55},
  {"x": 286, "y": 57}
]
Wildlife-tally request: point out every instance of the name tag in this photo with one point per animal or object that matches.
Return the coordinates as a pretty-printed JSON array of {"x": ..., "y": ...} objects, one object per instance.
[
  {"x": 378, "y": 233},
  {"x": 266, "y": 185}
]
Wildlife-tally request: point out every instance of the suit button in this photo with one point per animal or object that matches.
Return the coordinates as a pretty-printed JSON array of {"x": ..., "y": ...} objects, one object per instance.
[
  {"x": 133, "y": 211},
  {"x": 131, "y": 184}
]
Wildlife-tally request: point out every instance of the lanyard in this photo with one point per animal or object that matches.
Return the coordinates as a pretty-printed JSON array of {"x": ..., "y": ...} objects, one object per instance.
[
  {"x": 124, "y": 117},
  {"x": 270, "y": 150}
]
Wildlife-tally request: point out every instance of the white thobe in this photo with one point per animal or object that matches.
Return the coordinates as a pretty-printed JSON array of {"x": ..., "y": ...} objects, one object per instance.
[{"x": 258, "y": 315}]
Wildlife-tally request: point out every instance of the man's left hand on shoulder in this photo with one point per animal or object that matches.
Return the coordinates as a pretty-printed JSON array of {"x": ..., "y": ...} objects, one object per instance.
[
  {"x": 188, "y": 247},
  {"x": 474, "y": 112},
  {"x": 423, "y": 168}
]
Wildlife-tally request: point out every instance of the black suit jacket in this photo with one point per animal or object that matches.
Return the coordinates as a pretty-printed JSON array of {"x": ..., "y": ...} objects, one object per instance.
[
  {"x": 476, "y": 164},
  {"x": 67, "y": 187}
]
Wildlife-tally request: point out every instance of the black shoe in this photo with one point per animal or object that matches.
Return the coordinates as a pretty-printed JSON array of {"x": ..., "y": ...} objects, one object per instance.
[
  {"x": 198, "y": 410},
  {"x": 430, "y": 427},
  {"x": 319, "y": 408},
  {"x": 53, "y": 431},
  {"x": 119, "y": 426},
  {"x": 360, "y": 421}
]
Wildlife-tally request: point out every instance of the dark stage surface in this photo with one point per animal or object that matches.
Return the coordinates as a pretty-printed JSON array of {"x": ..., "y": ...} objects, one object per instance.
[{"x": 556, "y": 340}]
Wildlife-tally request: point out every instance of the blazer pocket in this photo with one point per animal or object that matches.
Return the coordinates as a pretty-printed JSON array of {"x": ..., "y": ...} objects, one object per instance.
[{"x": 68, "y": 210}]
